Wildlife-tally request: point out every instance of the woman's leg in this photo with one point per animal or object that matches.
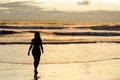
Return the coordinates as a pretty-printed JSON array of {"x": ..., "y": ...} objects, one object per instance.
[
  {"x": 36, "y": 63},
  {"x": 36, "y": 56}
]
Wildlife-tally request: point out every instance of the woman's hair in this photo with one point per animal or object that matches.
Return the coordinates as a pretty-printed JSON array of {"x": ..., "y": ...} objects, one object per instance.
[{"x": 37, "y": 36}]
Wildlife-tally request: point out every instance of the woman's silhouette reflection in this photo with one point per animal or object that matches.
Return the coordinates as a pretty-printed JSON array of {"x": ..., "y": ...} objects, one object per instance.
[{"x": 36, "y": 46}]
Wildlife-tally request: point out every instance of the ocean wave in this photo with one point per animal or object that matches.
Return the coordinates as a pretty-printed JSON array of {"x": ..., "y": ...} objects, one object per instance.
[
  {"x": 107, "y": 27},
  {"x": 66, "y": 33},
  {"x": 65, "y": 42},
  {"x": 99, "y": 27},
  {"x": 87, "y": 33},
  {"x": 30, "y": 27},
  {"x": 7, "y": 32}
]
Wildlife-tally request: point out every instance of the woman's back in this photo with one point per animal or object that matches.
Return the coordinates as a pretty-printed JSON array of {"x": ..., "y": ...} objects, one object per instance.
[{"x": 36, "y": 42}]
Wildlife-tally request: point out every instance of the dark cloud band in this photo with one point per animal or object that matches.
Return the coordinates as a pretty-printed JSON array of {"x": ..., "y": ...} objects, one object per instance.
[{"x": 19, "y": 5}]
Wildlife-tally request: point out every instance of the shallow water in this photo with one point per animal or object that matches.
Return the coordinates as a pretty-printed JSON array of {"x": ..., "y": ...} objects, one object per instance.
[{"x": 62, "y": 53}]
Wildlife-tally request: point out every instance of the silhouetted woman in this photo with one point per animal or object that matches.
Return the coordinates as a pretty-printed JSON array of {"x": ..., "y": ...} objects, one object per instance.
[{"x": 36, "y": 46}]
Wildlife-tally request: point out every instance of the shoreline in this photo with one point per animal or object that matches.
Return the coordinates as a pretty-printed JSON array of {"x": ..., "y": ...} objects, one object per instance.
[
  {"x": 67, "y": 42},
  {"x": 81, "y": 62}
]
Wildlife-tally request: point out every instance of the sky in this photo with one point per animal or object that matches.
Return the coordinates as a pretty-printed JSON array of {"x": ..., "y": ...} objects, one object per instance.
[{"x": 59, "y": 9}]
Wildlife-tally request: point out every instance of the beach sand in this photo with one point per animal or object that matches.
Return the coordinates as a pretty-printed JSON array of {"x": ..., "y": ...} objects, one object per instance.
[
  {"x": 102, "y": 70},
  {"x": 62, "y": 62}
]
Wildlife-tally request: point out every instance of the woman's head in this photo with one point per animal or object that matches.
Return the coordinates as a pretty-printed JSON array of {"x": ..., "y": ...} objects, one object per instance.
[{"x": 37, "y": 35}]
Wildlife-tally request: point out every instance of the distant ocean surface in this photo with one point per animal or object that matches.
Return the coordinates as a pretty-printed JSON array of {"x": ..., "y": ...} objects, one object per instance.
[{"x": 60, "y": 34}]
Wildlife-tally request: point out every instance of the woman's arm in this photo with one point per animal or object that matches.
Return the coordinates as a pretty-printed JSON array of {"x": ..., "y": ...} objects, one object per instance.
[
  {"x": 42, "y": 48},
  {"x": 30, "y": 47},
  {"x": 41, "y": 45}
]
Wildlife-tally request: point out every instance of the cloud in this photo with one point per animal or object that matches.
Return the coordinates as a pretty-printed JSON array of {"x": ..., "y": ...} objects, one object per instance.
[
  {"x": 85, "y": 2},
  {"x": 19, "y": 6}
]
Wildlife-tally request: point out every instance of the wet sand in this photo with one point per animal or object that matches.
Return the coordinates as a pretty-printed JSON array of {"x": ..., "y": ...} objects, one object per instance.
[
  {"x": 75, "y": 62},
  {"x": 67, "y": 53},
  {"x": 102, "y": 70}
]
